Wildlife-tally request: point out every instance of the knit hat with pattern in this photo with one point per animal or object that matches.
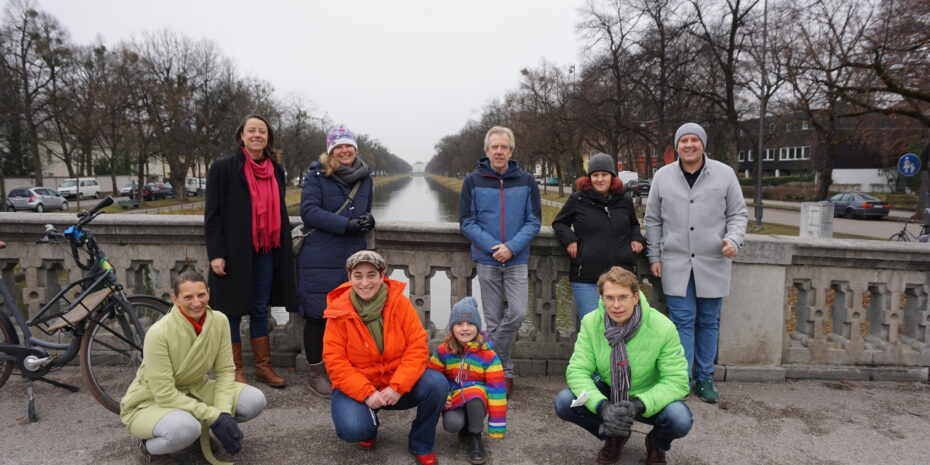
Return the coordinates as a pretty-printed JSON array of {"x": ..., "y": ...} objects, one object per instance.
[{"x": 340, "y": 135}]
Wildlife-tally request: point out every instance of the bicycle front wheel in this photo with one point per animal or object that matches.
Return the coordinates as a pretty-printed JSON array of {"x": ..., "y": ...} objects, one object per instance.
[
  {"x": 111, "y": 349},
  {"x": 899, "y": 237}
]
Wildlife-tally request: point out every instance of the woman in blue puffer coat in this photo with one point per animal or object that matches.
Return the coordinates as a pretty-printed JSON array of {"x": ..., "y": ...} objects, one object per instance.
[{"x": 321, "y": 263}]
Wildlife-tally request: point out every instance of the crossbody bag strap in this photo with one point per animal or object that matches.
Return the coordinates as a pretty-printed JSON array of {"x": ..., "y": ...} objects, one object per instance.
[{"x": 344, "y": 204}]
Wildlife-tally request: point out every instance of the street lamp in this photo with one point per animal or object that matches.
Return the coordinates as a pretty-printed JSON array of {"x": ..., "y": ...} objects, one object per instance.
[{"x": 764, "y": 101}]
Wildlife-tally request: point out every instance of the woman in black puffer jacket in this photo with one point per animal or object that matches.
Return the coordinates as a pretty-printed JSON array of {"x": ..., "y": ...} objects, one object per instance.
[{"x": 599, "y": 229}]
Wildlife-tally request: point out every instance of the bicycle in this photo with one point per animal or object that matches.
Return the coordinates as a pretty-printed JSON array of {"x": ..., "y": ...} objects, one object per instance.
[
  {"x": 107, "y": 326},
  {"x": 906, "y": 236}
]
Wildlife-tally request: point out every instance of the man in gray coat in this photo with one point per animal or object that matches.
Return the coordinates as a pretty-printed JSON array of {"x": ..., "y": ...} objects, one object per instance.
[{"x": 695, "y": 223}]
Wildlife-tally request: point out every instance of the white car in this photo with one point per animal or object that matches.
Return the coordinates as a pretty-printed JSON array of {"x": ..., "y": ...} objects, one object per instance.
[
  {"x": 127, "y": 189},
  {"x": 88, "y": 187}
]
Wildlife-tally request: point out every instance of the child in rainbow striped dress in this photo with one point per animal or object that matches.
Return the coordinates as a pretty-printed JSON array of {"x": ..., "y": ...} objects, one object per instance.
[{"x": 476, "y": 380}]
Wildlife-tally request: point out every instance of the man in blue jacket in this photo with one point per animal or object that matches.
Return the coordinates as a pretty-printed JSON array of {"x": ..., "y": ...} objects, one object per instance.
[{"x": 499, "y": 212}]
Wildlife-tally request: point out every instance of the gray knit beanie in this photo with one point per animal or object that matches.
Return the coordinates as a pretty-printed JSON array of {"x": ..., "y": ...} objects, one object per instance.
[
  {"x": 691, "y": 128},
  {"x": 465, "y": 310},
  {"x": 602, "y": 162}
]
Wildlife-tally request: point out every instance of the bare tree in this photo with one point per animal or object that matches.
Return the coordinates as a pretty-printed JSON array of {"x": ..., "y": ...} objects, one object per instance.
[
  {"x": 724, "y": 31},
  {"x": 28, "y": 36}
]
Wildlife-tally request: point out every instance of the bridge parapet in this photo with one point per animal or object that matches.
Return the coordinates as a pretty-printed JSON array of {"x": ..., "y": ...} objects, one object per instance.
[{"x": 799, "y": 307}]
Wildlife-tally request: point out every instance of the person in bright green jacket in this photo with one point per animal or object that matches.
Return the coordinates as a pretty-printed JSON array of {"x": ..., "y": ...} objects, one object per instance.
[
  {"x": 172, "y": 401},
  {"x": 648, "y": 383}
]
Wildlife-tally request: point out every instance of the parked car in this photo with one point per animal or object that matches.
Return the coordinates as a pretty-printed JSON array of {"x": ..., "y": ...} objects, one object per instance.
[
  {"x": 858, "y": 205},
  {"x": 154, "y": 191},
  {"x": 80, "y": 188},
  {"x": 552, "y": 181},
  {"x": 37, "y": 199},
  {"x": 127, "y": 188},
  {"x": 639, "y": 187}
]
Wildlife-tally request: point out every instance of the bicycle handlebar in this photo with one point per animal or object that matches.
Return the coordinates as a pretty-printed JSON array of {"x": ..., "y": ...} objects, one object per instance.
[{"x": 88, "y": 215}]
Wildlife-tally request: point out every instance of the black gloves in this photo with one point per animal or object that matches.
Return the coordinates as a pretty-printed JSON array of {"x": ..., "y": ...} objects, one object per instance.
[
  {"x": 353, "y": 227},
  {"x": 367, "y": 221},
  {"x": 227, "y": 431},
  {"x": 618, "y": 417},
  {"x": 360, "y": 225}
]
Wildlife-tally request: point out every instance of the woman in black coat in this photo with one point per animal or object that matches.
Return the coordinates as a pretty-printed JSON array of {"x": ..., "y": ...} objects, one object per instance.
[
  {"x": 321, "y": 264},
  {"x": 248, "y": 242},
  {"x": 599, "y": 229}
]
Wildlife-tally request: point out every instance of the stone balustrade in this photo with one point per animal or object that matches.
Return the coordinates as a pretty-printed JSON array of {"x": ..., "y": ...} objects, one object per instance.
[{"x": 799, "y": 307}]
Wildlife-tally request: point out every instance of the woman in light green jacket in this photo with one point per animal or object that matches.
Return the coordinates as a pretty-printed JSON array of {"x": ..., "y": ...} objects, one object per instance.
[
  {"x": 627, "y": 365},
  {"x": 172, "y": 402}
]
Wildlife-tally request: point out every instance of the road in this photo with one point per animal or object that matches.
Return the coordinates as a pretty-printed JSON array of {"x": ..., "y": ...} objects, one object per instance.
[{"x": 881, "y": 229}]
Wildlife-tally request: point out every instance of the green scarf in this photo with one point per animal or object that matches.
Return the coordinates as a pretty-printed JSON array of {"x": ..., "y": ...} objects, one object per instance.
[{"x": 371, "y": 313}]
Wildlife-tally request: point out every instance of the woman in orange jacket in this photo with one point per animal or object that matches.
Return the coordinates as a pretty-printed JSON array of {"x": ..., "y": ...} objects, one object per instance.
[{"x": 375, "y": 351}]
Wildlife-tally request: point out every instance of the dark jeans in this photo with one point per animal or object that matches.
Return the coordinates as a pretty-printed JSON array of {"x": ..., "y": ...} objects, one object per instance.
[
  {"x": 672, "y": 422},
  {"x": 262, "y": 274},
  {"x": 313, "y": 339},
  {"x": 355, "y": 422}
]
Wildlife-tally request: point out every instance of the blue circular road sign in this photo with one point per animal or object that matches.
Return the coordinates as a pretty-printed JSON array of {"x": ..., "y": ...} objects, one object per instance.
[{"x": 908, "y": 164}]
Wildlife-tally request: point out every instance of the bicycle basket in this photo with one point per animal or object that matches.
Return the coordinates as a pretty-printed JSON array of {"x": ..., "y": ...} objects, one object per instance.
[{"x": 75, "y": 312}]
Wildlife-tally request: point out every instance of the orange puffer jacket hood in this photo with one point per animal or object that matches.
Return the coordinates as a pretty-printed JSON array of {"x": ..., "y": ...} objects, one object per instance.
[{"x": 351, "y": 355}]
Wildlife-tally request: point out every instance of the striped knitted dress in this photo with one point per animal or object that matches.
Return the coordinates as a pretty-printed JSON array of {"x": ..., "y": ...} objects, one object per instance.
[{"x": 476, "y": 375}]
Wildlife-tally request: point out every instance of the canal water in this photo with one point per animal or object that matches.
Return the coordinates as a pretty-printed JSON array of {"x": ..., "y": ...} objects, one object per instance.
[
  {"x": 415, "y": 198},
  {"x": 419, "y": 198}
]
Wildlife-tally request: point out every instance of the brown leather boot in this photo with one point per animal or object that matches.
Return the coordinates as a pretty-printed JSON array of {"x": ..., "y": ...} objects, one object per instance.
[
  {"x": 610, "y": 453},
  {"x": 318, "y": 380},
  {"x": 261, "y": 351},
  {"x": 508, "y": 386},
  {"x": 237, "y": 360},
  {"x": 654, "y": 456}
]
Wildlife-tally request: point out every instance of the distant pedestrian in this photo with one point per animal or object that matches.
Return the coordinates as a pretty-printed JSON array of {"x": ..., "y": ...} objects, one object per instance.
[
  {"x": 500, "y": 213},
  {"x": 336, "y": 205},
  {"x": 599, "y": 229},
  {"x": 248, "y": 232},
  {"x": 695, "y": 223},
  {"x": 476, "y": 379}
]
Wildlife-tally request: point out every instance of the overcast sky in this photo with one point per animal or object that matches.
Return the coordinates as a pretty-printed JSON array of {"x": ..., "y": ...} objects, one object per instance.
[{"x": 405, "y": 72}]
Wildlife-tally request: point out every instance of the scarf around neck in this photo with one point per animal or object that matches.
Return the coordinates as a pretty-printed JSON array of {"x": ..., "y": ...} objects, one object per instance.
[
  {"x": 266, "y": 203},
  {"x": 372, "y": 313},
  {"x": 617, "y": 336},
  {"x": 349, "y": 175}
]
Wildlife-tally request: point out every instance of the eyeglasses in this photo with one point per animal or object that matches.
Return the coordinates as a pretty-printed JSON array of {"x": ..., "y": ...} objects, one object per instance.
[{"x": 622, "y": 299}]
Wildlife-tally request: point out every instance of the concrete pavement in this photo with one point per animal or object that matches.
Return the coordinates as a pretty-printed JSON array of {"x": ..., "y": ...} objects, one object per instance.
[{"x": 801, "y": 422}]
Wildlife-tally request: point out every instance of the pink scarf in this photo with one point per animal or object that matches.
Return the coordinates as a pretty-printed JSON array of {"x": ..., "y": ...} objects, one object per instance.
[{"x": 266, "y": 204}]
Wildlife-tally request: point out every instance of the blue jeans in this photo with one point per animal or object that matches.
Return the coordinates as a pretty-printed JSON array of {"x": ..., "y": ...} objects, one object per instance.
[
  {"x": 355, "y": 422},
  {"x": 262, "y": 275},
  {"x": 698, "y": 323},
  {"x": 587, "y": 298},
  {"x": 672, "y": 422}
]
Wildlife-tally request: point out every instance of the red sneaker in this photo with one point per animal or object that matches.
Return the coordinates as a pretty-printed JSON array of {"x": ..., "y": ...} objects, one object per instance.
[
  {"x": 367, "y": 444},
  {"x": 428, "y": 459}
]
